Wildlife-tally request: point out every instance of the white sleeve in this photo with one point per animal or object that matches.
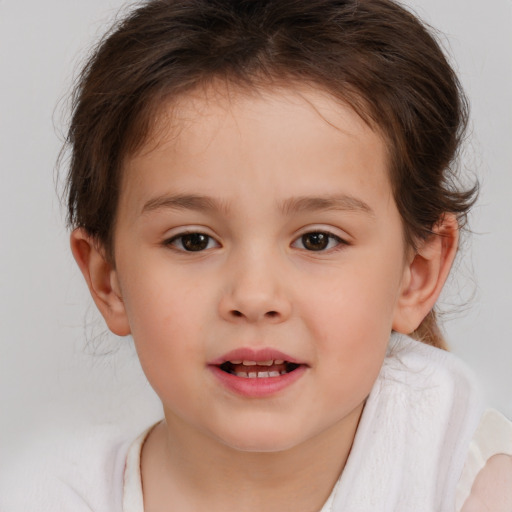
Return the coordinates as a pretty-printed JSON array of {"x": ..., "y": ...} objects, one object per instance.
[
  {"x": 486, "y": 482},
  {"x": 80, "y": 473}
]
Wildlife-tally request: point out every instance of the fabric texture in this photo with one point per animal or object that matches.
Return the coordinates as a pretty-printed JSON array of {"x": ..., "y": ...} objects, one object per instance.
[
  {"x": 412, "y": 442},
  {"x": 83, "y": 473}
]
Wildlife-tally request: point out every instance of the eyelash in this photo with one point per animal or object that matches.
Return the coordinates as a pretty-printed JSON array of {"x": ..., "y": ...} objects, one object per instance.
[
  {"x": 329, "y": 238},
  {"x": 178, "y": 240},
  {"x": 204, "y": 241}
]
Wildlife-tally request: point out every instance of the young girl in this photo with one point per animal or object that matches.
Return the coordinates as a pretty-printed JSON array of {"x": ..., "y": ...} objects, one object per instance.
[{"x": 261, "y": 194}]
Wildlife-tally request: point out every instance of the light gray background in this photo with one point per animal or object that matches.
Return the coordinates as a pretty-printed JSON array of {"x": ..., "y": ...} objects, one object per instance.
[{"x": 51, "y": 378}]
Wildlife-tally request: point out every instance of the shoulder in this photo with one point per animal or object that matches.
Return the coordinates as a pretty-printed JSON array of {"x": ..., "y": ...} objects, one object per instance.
[
  {"x": 429, "y": 364},
  {"x": 413, "y": 436},
  {"x": 486, "y": 481},
  {"x": 82, "y": 472},
  {"x": 486, "y": 467},
  {"x": 433, "y": 381}
]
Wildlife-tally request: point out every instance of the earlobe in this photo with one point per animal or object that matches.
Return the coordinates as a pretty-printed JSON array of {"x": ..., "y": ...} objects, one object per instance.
[
  {"x": 426, "y": 274},
  {"x": 102, "y": 280}
]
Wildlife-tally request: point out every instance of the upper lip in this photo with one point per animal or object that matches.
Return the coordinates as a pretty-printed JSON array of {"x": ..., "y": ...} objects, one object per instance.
[{"x": 257, "y": 355}]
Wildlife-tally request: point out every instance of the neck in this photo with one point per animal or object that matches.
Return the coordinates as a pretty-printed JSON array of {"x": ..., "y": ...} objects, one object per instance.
[{"x": 192, "y": 471}]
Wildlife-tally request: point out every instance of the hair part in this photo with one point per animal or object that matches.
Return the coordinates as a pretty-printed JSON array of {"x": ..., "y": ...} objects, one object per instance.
[{"x": 373, "y": 55}]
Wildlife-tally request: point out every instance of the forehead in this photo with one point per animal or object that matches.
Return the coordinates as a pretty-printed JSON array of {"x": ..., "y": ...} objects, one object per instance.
[
  {"x": 212, "y": 105},
  {"x": 278, "y": 138}
]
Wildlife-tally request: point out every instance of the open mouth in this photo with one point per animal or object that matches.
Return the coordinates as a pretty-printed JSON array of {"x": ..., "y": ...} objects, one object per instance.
[{"x": 258, "y": 369}]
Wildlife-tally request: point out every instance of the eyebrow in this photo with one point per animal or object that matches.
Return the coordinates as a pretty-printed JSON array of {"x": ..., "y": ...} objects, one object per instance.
[
  {"x": 183, "y": 202},
  {"x": 288, "y": 207},
  {"x": 336, "y": 202}
]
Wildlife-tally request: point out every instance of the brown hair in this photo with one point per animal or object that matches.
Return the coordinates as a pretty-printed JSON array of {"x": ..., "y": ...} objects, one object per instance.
[{"x": 371, "y": 54}]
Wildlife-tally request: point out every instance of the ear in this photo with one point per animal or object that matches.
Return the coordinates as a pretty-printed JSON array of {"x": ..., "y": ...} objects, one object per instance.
[
  {"x": 101, "y": 278},
  {"x": 425, "y": 275}
]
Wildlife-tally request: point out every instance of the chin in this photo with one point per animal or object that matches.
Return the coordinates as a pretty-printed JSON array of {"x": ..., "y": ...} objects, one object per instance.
[
  {"x": 262, "y": 440},
  {"x": 260, "y": 446}
]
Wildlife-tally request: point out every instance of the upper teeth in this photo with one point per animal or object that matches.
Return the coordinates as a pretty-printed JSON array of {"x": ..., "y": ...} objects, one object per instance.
[
  {"x": 259, "y": 375},
  {"x": 270, "y": 362}
]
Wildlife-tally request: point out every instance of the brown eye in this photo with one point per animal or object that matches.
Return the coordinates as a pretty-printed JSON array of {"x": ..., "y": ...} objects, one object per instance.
[
  {"x": 317, "y": 241},
  {"x": 193, "y": 242}
]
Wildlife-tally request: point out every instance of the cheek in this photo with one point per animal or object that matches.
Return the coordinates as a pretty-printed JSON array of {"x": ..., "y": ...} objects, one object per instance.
[
  {"x": 166, "y": 314},
  {"x": 355, "y": 306},
  {"x": 351, "y": 321},
  {"x": 168, "y": 333}
]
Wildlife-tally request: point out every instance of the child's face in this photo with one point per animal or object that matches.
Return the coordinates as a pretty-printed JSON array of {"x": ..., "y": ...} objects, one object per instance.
[{"x": 265, "y": 225}]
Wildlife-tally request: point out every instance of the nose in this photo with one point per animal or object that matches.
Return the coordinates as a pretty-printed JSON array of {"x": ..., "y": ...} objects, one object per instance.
[{"x": 255, "y": 291}]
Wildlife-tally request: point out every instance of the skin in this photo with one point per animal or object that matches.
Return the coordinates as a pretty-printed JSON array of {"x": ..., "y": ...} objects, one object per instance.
[
  {"x": 274, "y": 166},
  {"x": 488, "y": 493}
]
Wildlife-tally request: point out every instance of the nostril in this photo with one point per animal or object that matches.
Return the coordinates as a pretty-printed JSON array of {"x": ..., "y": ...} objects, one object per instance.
[{"x": 268, "y": 314}]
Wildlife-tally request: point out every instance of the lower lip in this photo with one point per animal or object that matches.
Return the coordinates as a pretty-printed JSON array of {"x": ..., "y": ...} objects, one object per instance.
[{"x": 257, "y": 387}]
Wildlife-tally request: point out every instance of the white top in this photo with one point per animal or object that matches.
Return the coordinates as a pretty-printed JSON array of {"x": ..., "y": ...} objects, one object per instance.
[{"x": 493, "y": 437}]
